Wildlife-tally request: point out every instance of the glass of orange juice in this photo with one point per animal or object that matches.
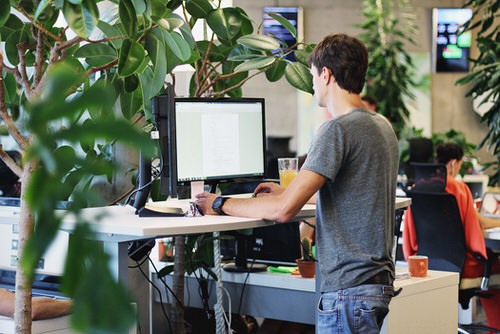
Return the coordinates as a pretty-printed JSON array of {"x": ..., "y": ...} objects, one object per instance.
[{"x": 287, "y": 168}]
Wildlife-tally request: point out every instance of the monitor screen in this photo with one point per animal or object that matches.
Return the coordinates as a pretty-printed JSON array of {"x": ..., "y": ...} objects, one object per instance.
[
  {"x": 277, "y": 245},
  {"x": 451, "y": 47},
  {"x": 219, "y": 139},
  {"x": 214, "y": 140}
]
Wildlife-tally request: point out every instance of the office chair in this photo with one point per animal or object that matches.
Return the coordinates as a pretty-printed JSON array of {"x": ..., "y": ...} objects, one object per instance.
[
  {"x": 421, "y": 150},
  {"x": 437, "y": 222}
]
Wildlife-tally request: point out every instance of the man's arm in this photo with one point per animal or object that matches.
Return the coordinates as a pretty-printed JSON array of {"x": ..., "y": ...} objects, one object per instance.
[
  {"x": 6, "y": 303},
  {"x": 41, "y": 307},
  {"x": 281, "y": 207},
  {"x": 48, "y": 308}
]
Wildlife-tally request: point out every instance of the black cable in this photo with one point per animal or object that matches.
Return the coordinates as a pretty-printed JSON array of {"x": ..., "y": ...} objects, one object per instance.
[
  {"x": 152, "y": 180},
  {"x": 144, "y": 186},
  {"x": 140, "y": 264},
  {"x": 159, "y": 293},
  {"x": 249, "y": 270},
  {"x": 309, "y": 224},
  {"x": 166, "y": 285}
]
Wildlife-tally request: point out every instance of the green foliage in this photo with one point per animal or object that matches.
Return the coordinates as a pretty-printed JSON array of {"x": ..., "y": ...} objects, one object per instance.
[
  {"x": 484, "y": 78},
  {"x": 307, "y": 253},
  {"x": 450, "y": 136},
  {"x": 63, "y": 171},
  {"x": 101, "y": 305},
  {"x": 389, "y": 76},
  {"x": 62, "y": 94}
]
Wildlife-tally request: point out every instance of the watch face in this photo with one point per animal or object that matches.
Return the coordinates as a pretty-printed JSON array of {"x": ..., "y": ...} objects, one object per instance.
[{"x": 217, "y": 204}]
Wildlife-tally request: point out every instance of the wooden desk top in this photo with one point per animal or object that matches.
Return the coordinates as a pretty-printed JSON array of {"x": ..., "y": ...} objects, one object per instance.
[{"x": 121, "y": 220}]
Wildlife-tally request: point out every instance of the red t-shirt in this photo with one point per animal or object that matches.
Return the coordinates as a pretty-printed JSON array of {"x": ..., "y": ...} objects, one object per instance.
[{"x": 474, "y": 239}]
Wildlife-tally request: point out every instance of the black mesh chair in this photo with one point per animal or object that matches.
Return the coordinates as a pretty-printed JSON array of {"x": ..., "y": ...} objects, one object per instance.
[
  {"x": 421, "y": 150},
  {"x": 440, "y": 233}
]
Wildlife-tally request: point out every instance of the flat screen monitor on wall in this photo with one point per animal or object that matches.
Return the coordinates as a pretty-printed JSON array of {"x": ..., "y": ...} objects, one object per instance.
[
  {"x": 274, "y": 28},
  {"x": 214, "y": 140},
  {"x": 451, "y": 46}
]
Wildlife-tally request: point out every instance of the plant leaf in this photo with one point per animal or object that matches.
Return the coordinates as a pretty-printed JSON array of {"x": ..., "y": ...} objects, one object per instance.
[
  {"x": 83, "y": 18},
  {"x": 17, "y": 37},
  {"x": 225, "y": 22},
  {"x": 276, "y": 72},
  {"x": 131, "y": 57},
  {"x": 178, "y": 45},
  {"x": 169, "y": 23},
  {"x": 12, "y": 24},
  {"x": 128, "y": 17},
  {"x": 156, "y": 51},
  {"x": 299, "y": 77},
  {"x": 285, "y": 23},
  {"x": 4, "y": 11},
  {"x": 254, "y": 64},
  {"x": 198, "y": 8},
  {"x": 41, "y": 7},
  {"x": 259, "y": 42},
  {"x": 139, "y": 6},
  {"x": 96, "y": 54}
]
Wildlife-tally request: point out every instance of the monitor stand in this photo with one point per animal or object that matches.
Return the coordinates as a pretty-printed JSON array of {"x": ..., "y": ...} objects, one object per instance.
[{"x": 240, "y": 264}]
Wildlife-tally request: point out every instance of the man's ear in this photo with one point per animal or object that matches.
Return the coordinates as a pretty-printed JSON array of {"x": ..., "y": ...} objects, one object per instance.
[{"x": 327, "y": 75}]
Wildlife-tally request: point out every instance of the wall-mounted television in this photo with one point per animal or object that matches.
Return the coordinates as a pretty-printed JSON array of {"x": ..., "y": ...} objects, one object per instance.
[
  {"x": 451, "y": 46},
  {"x": 274, "y": 28}
]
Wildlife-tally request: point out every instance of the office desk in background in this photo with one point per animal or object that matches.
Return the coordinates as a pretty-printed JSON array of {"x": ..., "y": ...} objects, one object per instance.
[{"x": 425, "y": 305}]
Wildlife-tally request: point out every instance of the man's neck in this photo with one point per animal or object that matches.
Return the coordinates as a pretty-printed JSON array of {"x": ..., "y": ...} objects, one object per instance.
[{"x": 341, "y": 102}]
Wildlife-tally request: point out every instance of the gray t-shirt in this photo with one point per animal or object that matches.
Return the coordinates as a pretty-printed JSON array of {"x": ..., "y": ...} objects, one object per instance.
[{"x": 358, "y": 153}]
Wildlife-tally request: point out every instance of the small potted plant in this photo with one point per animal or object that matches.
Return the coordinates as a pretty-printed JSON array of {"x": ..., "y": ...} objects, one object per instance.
[{"x": 307, "y": 264}]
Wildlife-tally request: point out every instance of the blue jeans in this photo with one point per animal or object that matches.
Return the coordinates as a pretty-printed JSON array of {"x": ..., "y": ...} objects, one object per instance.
[{"x": 361, "y": 309}]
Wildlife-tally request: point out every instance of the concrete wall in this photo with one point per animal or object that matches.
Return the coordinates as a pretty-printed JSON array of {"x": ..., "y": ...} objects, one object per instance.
[{"x": 450, "y": 109}]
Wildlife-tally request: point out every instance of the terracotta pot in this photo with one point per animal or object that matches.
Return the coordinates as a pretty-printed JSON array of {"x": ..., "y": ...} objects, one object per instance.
[{"x": 307, "y": 269}]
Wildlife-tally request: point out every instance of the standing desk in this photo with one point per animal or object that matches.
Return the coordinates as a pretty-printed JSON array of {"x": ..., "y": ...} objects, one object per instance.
[{"x": 117, "y": 225}]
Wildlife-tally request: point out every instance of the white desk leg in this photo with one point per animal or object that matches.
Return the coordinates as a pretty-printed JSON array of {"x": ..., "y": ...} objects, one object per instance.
[{"x": 118, "y": 251}]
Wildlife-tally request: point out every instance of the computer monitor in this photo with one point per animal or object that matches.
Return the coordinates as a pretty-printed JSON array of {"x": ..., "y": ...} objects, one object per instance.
[
  {"x": 277, "y": 245},
  {"x": 477, "y": 183},
  {"x": 214, "y": 140}
]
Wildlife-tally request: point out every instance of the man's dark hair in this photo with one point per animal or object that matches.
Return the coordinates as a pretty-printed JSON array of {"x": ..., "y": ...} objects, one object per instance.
[
  {"x": 370, "y": 99},
  {"x": 346, "y": 57},
  {"x": 447, "y": 152}
]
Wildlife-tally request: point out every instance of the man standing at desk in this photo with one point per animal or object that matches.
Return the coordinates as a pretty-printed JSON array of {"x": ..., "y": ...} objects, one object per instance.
[{"x": 352, "y": 166}]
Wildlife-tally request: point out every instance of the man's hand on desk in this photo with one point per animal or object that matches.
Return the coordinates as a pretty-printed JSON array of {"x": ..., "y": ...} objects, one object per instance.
[
  {"x": 267, "y": 188},
  {"x": 205, "y": 202}
]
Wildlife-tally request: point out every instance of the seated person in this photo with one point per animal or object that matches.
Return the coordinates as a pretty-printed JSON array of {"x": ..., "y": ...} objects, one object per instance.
[
  {"x": 451, "y": 155},
  {"x": 371, "y": 103},
  {"x": 41, "y": 307}
]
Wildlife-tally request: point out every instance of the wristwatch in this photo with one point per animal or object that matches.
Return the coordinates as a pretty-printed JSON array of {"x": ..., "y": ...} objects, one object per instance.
[{"x": 218, "y": 203}]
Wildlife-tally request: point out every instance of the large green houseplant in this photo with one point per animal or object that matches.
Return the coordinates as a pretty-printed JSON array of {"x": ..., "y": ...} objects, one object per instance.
[
  {"x": 59, "y": 88},
  {"x": 484, "y": 78},
  {"x": 389, "y": 75}
]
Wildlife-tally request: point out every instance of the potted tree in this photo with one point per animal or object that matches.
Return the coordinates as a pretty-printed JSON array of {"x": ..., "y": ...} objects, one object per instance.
[
  {"x": 59, "y": 85},
  {"x": 389, "y": 76},
  {"x": 307, "y": 264},
  {"x": 484, "y": 85}
]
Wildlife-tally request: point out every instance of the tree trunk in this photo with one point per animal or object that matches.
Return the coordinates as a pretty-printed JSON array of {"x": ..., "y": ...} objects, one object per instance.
[
  {"x": 177, "y": 311},
  {"x": 22, "y": 312}
]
